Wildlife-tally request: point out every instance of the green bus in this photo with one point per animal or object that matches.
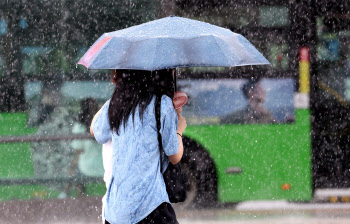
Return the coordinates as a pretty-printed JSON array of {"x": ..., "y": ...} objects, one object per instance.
[{"x": 298, "y": 145}]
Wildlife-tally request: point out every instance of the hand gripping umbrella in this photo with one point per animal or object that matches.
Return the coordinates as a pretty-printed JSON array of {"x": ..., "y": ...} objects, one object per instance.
[{"x": 171, "y": 42}]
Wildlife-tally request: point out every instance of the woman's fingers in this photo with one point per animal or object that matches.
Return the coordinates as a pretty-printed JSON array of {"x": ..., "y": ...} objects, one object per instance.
[
  {"x": 179, "y": 110},
  {"x": 182, "y": 124},
  {"x": 182, "y": 121}
]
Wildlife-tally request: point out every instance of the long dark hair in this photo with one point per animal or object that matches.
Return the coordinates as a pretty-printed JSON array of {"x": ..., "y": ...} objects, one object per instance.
[{"x": 136, "y": 88}]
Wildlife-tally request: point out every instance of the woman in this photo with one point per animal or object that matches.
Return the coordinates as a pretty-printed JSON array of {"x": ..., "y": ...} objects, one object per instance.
[{"x": 137, "y": 193}]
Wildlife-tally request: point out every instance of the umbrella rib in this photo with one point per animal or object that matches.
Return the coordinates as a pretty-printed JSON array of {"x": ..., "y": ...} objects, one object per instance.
[
  {"x": 154, "y": 52},
  {"x": 155, "y": 49},
  {"x": 223, "y": 52}
]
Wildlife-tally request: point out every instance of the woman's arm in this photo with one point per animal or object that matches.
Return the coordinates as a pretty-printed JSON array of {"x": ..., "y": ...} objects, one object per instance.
[
  {"x": 95, "y": 117},
  {"x": 174, "y": 159},
  {"x": 93, "y": 121}
]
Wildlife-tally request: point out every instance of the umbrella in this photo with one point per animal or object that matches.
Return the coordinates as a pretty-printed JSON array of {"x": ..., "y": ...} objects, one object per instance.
[{"x": 169, "y": 43}]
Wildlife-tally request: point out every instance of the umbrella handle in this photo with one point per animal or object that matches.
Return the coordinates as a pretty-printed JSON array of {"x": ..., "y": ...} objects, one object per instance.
[{"x": 175, "y": 83}]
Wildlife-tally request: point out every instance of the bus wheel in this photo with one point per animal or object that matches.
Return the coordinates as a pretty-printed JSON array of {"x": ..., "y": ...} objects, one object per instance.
[{"x": 201, "y": 174}]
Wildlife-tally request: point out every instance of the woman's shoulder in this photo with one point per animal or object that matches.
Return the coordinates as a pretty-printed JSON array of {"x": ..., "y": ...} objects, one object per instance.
[
  {"x": 166, "y": 103},
  {"x": 106, "y": 104}
]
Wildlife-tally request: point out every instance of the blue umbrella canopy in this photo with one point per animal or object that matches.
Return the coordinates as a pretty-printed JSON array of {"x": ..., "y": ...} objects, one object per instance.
[{"x": 169, "y": 43}]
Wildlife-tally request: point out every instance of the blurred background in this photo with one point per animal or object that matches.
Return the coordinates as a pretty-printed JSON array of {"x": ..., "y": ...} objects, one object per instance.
[{"x": 291, "y": 164}]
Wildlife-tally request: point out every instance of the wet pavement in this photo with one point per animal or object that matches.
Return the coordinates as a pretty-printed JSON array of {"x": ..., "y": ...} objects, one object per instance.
[
  {"x": 87, "y": 210},
  {"x": 264, "y": 217}
]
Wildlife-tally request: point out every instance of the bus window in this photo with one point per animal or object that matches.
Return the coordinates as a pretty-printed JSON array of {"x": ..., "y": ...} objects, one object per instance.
[
  {"x": 236, "y": 15},
  {"x": 42, "y": 100},
  {"x": 333, "y": 54},
  {"x": 33, "y": 59},
  {"x": 278, "y": 55},
  {"x": 3, "y": 27},
  {"x": 239, "y": 101},
  {"x": 273, "y": 16}
]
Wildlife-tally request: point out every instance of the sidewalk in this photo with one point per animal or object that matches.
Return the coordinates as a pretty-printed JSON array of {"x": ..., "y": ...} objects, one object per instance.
[
  {"x": 270, "y": 212},
  {"x": 87, "y": 210}
]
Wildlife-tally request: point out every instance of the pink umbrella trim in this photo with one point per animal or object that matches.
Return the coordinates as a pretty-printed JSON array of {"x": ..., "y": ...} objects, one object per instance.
[{"x": 92, "y": 51}]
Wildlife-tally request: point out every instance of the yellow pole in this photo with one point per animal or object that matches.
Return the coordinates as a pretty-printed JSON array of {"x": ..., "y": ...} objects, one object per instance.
[{"x": 304, "y": 70}]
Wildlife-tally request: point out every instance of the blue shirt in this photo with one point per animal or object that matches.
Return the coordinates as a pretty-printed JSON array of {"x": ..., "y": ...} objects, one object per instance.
[{"x": 137, "y": 186}]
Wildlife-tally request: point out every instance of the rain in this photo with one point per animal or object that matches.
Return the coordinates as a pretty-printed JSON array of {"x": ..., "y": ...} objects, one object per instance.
[{"x": 264, "y": 143}]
